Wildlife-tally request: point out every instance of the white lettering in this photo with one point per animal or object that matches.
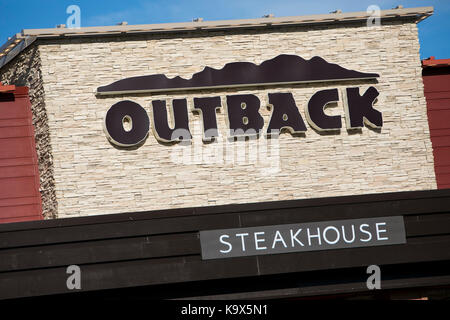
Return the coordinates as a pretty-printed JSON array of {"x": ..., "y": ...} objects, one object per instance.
[
  {"x": 278, "y": 238},
  {"x": 259, "y": 240},
  {"x": 314, "y": 236},
  {"x": 226, "y": 243},
  {"x": 364, "y": 231},
  {"x": 242, "y": 235},
  {"x": 353, "y": 234},
  {"x": 194, "y": 310},
  {"x": 380, "y": 230},
  {"x": 294, "y": 238},
  {"x": 325, "y": 235}
]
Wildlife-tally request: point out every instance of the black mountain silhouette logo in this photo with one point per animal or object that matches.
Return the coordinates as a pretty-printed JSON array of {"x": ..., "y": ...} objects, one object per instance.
[{"x": 282, "y": 69}]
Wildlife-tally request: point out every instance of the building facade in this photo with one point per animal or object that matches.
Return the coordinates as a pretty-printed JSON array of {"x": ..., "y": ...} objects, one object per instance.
[{"x": 147, "y": 137}]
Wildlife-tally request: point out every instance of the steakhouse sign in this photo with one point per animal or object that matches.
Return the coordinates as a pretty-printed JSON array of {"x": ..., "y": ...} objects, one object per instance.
[
  {"x": 127, "y": 123},
  {"x": 313, "y": 236}
]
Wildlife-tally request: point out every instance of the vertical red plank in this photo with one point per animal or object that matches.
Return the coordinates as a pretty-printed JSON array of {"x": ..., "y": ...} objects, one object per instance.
[
  {"x": 20, "y": 199},
  {"x": 436, "y": 80}
]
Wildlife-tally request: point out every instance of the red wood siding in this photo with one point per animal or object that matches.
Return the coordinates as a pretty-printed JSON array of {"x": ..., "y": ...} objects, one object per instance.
[
  {"x": 20, "y": 199},
  {"x": 437, "y": 92}
]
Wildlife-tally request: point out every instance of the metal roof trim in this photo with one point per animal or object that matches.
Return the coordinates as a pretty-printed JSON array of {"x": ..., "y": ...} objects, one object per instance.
[
  {"x": 20, "y": 41},
  {"x": 436, "y": 63},
  {"x": 419, "y": 13}
]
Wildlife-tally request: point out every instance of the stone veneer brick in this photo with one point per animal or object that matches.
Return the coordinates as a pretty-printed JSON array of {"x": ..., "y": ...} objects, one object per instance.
[{"x": 93, "y": 177}]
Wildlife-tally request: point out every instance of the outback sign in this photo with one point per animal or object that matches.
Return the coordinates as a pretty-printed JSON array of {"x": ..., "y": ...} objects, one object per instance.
[{"x": 127, "y": 123}]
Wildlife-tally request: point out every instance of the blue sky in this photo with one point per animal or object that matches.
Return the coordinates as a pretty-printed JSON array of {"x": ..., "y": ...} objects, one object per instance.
[{"x": 29, "y": 14}]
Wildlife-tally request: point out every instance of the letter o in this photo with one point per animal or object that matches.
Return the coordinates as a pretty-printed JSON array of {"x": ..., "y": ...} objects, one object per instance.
[
  {"x": 337, "y": 233},
  {"x": 113, "y": 125}
]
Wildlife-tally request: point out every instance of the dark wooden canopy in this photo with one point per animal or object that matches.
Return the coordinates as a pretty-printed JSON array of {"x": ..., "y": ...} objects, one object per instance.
[{"x": 156, "y": 254}]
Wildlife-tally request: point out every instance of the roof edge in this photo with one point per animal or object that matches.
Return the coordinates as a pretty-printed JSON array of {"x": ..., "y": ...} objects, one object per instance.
[
  {"x": 13, "y": 47},
  {"x": 431, "y": 62},
  {"x": 21, "y": 41},
  {"x": 418, "y": 13}
]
